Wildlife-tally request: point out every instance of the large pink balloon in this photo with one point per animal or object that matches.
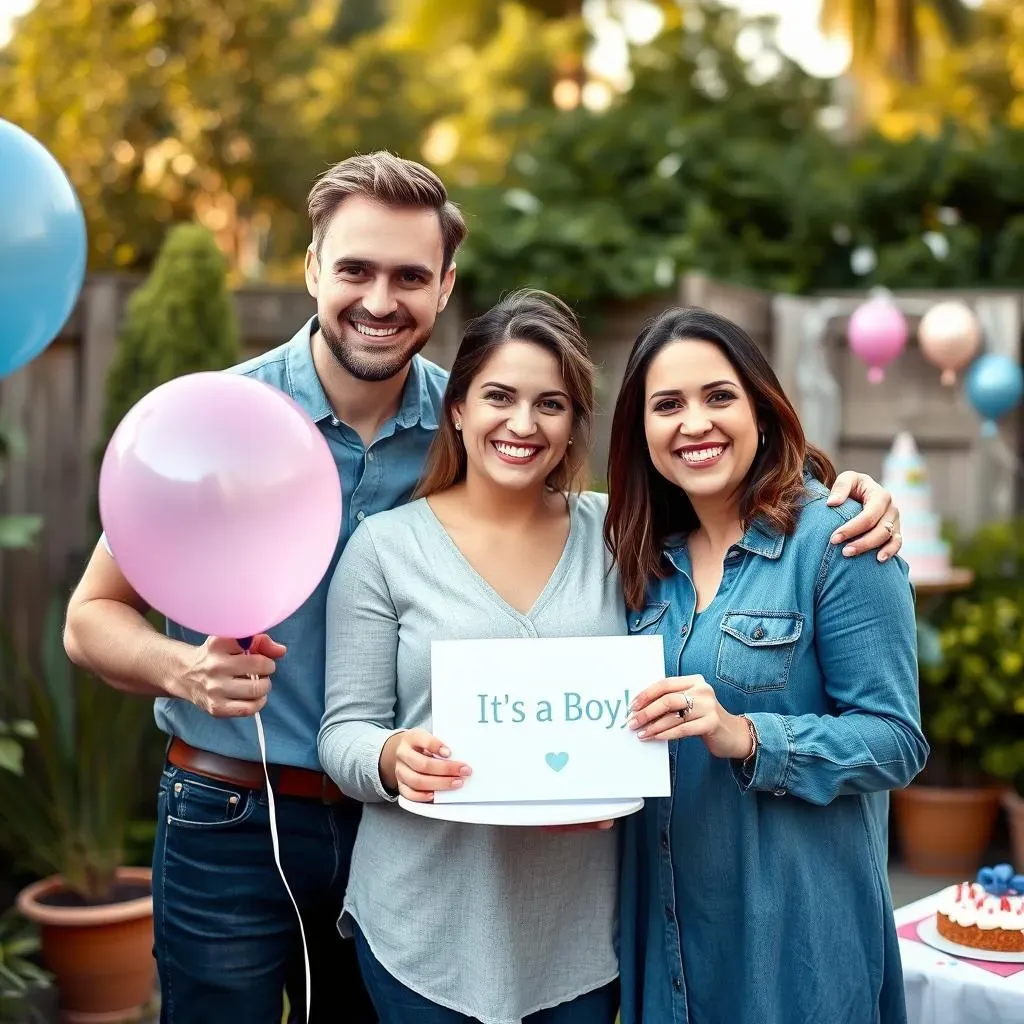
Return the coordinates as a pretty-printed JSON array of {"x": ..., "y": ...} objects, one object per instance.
[
  {"x": 221, "y": 503},
  {"x": 878, "y": 334},
  {"x": 949, "y": 336}
]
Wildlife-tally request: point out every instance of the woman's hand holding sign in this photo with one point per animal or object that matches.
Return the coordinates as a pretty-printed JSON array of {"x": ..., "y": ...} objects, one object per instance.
[
  {"x": 415, "y": 765},
  {"x": 687, "y": 706}
]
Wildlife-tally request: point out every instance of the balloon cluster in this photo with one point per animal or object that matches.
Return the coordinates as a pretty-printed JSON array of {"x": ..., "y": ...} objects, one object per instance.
[
  {"x": 950, "y": 338},
  {"x": 219, "y": 496}
]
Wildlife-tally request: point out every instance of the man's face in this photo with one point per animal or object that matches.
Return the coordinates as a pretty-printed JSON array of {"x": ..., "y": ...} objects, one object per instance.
[{"x": 378, "y": 285}]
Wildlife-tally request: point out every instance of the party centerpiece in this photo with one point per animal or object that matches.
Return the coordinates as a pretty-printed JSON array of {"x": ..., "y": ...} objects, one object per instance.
[{"x": 905, "y": 475}]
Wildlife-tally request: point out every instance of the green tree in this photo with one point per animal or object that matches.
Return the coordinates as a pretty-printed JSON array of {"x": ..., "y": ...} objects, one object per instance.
[
  {"x": 886, "y": 35},
  {"x": 166, "y": 110},
  {"x": 181, "y": 320}
]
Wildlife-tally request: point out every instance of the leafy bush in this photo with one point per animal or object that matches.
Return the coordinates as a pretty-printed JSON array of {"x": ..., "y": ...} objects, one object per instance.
[{"x": 973, "y": 699}]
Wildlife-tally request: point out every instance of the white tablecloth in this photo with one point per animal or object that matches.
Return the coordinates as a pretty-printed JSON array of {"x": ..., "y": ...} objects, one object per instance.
[{"x": 942, "y": 989}]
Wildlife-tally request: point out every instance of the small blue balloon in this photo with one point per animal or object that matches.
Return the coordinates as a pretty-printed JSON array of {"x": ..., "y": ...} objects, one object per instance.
[
  {"x": 42, "y": 248},
  {"x": 994, "y": 385}
]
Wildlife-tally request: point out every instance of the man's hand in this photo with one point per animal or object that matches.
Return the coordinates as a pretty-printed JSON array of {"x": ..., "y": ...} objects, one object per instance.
[
  {"x": 877, "y": 525},
  {"x": 227, "y": 682}
]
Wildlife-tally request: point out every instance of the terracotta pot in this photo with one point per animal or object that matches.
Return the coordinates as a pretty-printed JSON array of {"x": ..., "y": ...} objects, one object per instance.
[
  {"x": 944, "y": 831},
  {"x": 102, "y": 956},
  {"x": 1014, "y": 807}
]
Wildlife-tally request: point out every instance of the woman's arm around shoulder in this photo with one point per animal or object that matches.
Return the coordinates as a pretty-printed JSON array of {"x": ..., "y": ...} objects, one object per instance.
[
  {"x": 865, "y": 638},
  {"x": 359, "y": 669}
]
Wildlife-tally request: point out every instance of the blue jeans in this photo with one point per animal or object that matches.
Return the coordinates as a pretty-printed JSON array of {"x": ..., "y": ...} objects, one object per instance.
[
  {"x": 227, "y": 940},
  {"x": 397, "y": 1004}
]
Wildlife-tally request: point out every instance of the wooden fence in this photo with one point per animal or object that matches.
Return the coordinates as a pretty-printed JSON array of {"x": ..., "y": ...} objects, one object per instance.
[{"x": 57, "y": 401}]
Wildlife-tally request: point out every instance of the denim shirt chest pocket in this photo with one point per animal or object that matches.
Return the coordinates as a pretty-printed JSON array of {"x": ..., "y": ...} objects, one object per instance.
[
  {"x": 647, "y": 621},
  {"x": 756, "y": 649}
]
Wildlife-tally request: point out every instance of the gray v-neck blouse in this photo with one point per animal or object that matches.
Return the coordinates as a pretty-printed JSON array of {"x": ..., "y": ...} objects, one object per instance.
[{"x": 493, "y": 922}]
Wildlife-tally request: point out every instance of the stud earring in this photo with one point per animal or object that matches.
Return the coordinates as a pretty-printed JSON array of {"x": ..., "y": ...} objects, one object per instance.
[
  {"x": 570, "y": 440},
  {"x": 458, "y": 425},
  {"x": 762, "y": 438}
]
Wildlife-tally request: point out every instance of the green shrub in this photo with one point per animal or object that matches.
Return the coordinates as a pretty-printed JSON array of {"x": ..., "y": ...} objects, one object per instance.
[
  {"x": 181, "y": 320},
  {"x": 972, "y": 699}
]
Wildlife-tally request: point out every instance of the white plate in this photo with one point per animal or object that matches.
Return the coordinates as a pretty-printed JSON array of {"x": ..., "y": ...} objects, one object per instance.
[
  {"x": 928, "y": 932},
  {"x": 574, "y": 812}
]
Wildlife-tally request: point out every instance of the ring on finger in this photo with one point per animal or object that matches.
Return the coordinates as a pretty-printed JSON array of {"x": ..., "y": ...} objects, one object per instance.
[{"x": 683, "y": 712}]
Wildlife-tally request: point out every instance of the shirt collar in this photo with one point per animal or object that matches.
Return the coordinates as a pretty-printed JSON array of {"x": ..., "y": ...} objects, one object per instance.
[
  {"x": 303, "y": 383},
  {"x": 416, "y": 407}
]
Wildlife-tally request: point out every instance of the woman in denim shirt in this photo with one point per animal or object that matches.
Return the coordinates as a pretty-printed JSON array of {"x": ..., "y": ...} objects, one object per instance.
[{"x": 756, "y": 893}]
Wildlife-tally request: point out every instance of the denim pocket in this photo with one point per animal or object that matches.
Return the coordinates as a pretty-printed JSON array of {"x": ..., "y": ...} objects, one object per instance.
[
  {"x": 647, "y": 621},
  {"x": 197, "y": 802},
  {"x": 756, "y": 649}
]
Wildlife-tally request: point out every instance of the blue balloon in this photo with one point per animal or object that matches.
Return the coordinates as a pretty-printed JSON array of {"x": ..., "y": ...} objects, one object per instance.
[
  {"x": 994, "y": 385},
  {"x": 42, "y": 248}
]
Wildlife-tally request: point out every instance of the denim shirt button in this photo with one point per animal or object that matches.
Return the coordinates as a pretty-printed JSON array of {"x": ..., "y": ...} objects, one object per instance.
[
  {"x": 664, "y": 839},
  {"x": 779, "y": 792},
  {"x": 684, "y": 631},
  {"x": 677, "y": 983},
  {"x": 758, "y": 633}
]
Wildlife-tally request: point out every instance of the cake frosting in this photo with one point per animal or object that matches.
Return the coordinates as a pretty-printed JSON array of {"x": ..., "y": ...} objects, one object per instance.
[
  {"x": 905, "y": 476},
  {"x": 984, "y": 918}
]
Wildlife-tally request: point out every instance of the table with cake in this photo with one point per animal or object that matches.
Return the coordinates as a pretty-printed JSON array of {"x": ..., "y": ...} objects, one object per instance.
[{"x": 963, "y": 951}]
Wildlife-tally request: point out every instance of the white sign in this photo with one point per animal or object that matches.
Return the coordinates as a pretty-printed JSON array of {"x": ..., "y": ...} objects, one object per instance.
[{"x": 545, "y": 719}]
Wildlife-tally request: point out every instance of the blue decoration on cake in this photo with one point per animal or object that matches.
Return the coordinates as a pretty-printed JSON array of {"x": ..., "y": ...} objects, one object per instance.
[{"x": 1001, "y": 881}]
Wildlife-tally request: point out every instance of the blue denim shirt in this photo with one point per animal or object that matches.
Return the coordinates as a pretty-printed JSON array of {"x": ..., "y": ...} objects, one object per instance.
[
  {"x": 764, "y": 899},
  {"x": 373, "y": 479}
]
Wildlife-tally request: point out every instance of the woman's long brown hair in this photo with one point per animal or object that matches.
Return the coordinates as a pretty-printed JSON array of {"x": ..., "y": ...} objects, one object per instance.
[
  {"x": 543, "y": 320},
  {"x": 644, "y": 509}
]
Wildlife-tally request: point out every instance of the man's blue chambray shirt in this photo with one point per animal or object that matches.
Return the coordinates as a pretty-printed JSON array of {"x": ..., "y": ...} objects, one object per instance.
[{"x": 373, "y": 479}]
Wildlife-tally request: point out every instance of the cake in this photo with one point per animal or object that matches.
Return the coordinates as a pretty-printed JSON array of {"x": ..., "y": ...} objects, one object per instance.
[
  {"x": 905, "y": 476},
  {"x": 987, "y": 916}
]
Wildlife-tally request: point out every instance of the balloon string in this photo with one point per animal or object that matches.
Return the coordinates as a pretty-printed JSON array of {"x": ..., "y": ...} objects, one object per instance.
[{"x": 275, "y": 839}]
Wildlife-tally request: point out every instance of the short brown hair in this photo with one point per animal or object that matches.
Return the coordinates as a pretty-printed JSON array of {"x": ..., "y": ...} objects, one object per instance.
[
  {"x": 645, "y": 509},
  {"x": 391, "y": 181},
  {"x": 543, "y": 320}
]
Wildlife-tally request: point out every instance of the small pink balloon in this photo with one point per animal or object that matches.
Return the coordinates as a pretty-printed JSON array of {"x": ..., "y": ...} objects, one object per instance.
[
  {"x": 877, "y": 334},
  {"x": 949, "y": 336},
  {"x": 221, "y": 503}
]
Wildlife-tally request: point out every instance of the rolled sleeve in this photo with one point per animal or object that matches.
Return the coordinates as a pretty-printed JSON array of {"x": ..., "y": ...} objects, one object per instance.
[{"x": 773, "y": 758}]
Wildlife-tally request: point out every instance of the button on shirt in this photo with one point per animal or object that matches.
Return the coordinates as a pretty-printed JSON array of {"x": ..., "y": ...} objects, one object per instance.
[
  {"x": 760, "y": 896},
  {"x": 373, "y": 479}
]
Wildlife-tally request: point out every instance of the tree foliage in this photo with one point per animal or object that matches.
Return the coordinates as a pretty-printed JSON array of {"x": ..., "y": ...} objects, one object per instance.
[
  {"x": 714, "y": 160},
  {"x": 181, "y": 320}
]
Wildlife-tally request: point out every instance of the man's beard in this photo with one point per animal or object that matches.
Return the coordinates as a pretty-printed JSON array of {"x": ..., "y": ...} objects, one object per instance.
[{"x": 370, "y": 366}]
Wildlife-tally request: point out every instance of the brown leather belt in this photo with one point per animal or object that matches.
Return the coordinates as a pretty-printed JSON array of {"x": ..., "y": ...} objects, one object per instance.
[{"x": 287, "y": 780}]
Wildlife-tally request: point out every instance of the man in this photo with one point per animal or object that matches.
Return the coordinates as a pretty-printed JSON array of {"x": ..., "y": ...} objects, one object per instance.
[{"x": 380, "y": 267}]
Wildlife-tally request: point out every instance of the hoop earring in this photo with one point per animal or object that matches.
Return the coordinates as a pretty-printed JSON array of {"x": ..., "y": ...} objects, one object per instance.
[{"x": 762, "y": 438}]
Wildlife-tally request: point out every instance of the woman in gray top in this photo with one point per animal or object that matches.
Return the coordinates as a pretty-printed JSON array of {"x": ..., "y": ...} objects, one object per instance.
[{"x": 456, "y": 921}]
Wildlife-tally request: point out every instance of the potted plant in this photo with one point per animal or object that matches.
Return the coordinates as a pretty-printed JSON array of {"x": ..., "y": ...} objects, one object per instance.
[
  {"x": 971, "y": 703},
  {"x": 65, "y": 816}
]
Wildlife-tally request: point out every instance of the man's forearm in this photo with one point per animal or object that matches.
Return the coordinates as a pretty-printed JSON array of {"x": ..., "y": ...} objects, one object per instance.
[{"x": 118, "y": 644}]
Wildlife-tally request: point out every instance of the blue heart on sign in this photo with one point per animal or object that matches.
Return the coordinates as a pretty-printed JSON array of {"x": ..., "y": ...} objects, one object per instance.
[{"x": 556, "y": 762}]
